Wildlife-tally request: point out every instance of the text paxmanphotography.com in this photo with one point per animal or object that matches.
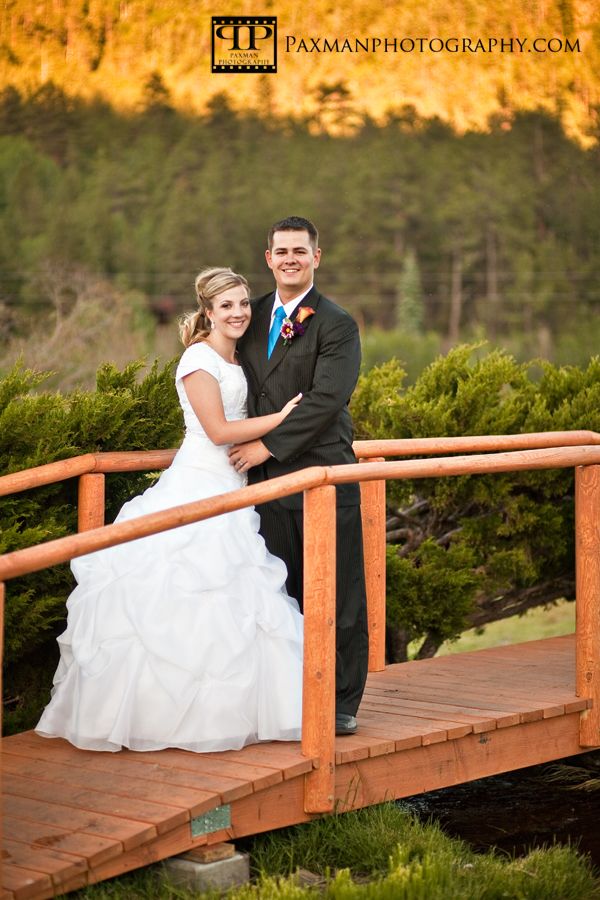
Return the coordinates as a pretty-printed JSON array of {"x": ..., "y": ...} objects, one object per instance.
[{"x": 431, "y": 45}]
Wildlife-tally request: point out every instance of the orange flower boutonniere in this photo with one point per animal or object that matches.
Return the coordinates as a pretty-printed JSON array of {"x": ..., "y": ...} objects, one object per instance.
[{"x": 290, "y": 329}]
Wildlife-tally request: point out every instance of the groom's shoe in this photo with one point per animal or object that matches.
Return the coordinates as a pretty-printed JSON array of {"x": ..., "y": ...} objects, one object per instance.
[{"x": 345, "y": 724}]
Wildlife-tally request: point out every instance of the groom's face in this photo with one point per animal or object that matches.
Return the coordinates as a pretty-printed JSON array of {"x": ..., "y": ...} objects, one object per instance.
[{"x": 293, "y": 261}]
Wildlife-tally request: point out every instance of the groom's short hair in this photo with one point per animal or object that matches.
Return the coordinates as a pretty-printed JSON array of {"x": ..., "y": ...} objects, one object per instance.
[{"x": 294, "y": 223}]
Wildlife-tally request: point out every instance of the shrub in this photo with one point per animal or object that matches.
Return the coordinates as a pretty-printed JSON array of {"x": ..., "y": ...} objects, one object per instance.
[{"x": 472, "y": 549}]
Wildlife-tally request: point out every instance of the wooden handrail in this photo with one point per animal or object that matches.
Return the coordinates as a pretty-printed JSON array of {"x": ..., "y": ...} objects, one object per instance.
[
  {"x": 48, "y": 474},
  {"x": 148, "y": 460},
  {"x": 32, "y": 559},
  {"x": 118, "y": 461},
  {"x": 91, "y": 467},
  {"x": 486, "y": 464},
  {"x": 64, "y": 549},
  {"x": 535, "y": 440}
]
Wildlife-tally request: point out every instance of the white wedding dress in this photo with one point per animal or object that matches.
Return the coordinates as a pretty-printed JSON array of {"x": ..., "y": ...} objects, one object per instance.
[{"x": 186, "y": 638}]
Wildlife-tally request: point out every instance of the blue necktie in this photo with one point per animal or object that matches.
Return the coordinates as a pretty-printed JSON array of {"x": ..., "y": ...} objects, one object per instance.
[{"x": 275, "y": 329}]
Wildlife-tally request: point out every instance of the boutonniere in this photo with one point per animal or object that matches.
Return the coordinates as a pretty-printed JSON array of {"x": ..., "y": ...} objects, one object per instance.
[{"x": 290, "y": 329}]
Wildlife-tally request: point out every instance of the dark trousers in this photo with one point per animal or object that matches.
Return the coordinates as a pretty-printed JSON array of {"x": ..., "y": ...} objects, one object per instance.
[{"x": 282, "y": 530}]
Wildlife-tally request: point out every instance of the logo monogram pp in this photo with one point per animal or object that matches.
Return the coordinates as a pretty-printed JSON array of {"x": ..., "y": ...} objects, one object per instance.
[{"x": 244, "y": 44}]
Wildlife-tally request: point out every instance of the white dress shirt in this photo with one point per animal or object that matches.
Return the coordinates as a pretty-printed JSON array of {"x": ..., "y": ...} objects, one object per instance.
[{"x": 290, "y": 306}]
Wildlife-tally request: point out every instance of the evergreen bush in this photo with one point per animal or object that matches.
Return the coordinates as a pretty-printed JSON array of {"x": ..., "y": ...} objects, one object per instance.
[{"x": 473, "y": 549}]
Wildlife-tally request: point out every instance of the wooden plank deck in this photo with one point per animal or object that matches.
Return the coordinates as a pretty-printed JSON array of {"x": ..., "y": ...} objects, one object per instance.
[{"x": 74, "y": 817}]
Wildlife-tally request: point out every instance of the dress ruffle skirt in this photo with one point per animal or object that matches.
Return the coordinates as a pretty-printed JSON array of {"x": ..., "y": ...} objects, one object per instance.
[{"x": 182, "y": 639}]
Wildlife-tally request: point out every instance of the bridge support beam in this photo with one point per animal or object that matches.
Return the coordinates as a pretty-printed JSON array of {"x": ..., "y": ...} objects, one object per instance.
[{"x": 587, "y": 543}]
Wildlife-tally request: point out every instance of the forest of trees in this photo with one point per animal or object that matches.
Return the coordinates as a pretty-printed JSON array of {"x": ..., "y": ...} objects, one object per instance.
[
  {"x": 491, "y": 234},
  {"x": 458, "y": 196}
]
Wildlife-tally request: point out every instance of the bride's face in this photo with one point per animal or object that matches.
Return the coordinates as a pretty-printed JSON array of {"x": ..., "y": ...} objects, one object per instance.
[{"x": 231, "y": 312}]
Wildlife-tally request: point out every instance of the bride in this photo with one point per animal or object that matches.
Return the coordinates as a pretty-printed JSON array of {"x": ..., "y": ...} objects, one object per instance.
[{"x": 187, "y": 638}]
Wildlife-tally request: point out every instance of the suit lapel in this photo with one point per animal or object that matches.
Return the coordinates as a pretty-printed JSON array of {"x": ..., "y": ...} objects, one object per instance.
[
  {"x": 256, "y": 350},
  {"x": 261, "y": 324}
]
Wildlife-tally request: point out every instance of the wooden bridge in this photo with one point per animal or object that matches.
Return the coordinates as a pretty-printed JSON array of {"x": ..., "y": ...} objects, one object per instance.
[{"x": 74, "y": 817}]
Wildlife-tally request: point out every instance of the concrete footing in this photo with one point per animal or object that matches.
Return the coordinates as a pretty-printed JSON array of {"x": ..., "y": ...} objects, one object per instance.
[{"x": 206, "y": 868}]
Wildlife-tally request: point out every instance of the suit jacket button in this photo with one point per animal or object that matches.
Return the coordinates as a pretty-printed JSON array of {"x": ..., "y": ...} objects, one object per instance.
[{"x": 262, "y": 394}]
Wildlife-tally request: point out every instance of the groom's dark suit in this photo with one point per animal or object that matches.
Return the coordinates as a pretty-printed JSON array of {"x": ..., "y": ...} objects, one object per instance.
[{"x": 323, "y": 363}]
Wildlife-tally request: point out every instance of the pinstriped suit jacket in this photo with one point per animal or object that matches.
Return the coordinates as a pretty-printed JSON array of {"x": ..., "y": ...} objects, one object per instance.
[{"x": 323, "y": 363}]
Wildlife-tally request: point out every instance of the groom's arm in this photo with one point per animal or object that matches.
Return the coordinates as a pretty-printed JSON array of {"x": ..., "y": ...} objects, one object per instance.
[
  {"x": 335, "y": 376},
  {"x": 334, "y": 379}
]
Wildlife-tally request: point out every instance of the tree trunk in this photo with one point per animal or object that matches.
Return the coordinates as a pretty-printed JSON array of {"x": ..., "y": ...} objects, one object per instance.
[
  {"x": 456, "y": 298},
  {"x": 491, "y": 258},
  {"x": 396, "y": 644}
]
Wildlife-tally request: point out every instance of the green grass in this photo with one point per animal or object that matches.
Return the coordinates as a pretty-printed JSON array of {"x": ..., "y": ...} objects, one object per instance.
[
  {"x": 534, "y": 624},
  {"x": 380, "y": 853}
]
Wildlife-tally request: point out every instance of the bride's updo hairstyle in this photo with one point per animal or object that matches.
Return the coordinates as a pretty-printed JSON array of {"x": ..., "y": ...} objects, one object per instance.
[{"x": 195, "y": 327}]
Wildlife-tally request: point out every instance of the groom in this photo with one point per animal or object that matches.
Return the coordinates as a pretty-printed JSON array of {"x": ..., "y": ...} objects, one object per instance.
[{"x": 321, "y": 359}]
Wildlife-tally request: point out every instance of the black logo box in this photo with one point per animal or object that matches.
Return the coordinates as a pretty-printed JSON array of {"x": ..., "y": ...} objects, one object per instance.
[{"x": 244, "y": 44}]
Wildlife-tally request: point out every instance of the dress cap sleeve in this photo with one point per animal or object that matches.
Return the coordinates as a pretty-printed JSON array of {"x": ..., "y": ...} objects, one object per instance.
[{"x": 198, "y": 356}]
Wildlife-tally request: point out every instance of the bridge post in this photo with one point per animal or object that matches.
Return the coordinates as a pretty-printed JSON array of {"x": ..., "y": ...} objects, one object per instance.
[
  {"x": 372, "y": 502},
  {"x": 90, "y": 503},
  {"x": 2, "y": 596},
  {"x": 318, "y": 692},
  {"x": 587, "y": 554}
]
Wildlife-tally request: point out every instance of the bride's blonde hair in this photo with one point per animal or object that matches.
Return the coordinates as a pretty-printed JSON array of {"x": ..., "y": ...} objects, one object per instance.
[{"x": 195, "y": 327}]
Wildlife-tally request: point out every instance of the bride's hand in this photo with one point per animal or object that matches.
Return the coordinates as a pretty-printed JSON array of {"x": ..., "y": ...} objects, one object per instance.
[{"x": 290, "y": 405}]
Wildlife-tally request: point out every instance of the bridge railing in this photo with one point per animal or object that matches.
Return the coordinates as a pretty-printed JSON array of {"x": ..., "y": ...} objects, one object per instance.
[{"x": 502, "y": 453}]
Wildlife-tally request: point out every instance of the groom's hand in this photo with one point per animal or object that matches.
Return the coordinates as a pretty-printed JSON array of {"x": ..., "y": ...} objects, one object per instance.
[{"x": 244, "y": 456}]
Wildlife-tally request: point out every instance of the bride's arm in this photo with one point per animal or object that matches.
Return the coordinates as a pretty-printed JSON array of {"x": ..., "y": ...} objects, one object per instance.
[{"x": 204, "y": 394}]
